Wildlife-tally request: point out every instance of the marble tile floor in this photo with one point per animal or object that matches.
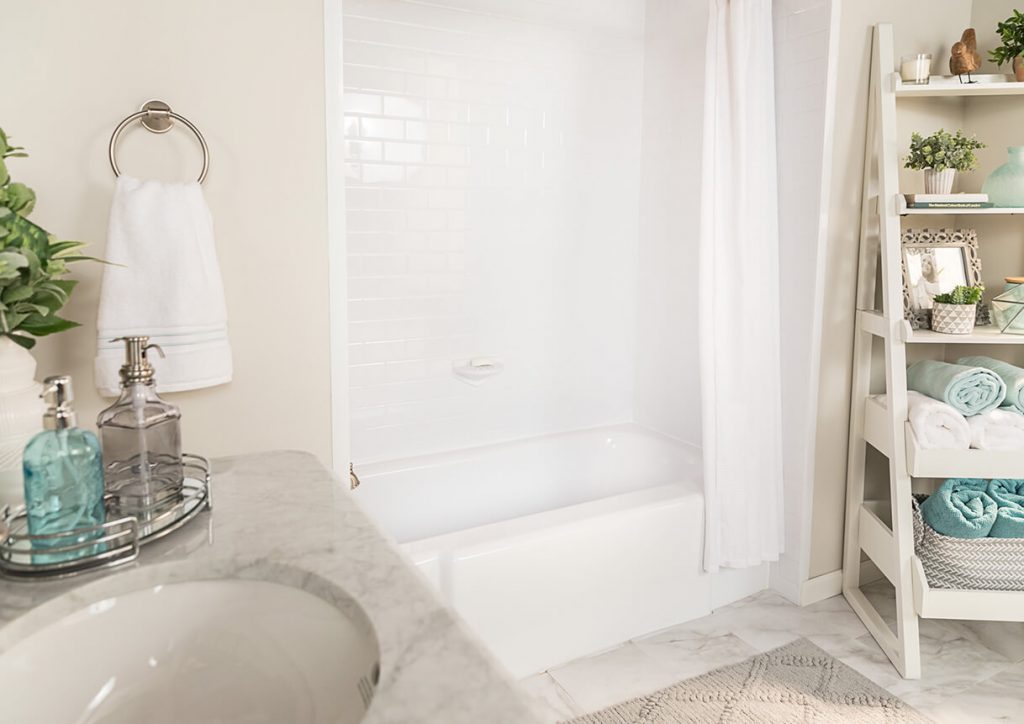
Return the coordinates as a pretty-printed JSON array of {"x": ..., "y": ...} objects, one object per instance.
[{"x": 973, "y": 671}]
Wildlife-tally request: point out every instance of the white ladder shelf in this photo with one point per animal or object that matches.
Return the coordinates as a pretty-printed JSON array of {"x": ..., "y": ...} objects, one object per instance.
[{"x": 884, "y": 530}]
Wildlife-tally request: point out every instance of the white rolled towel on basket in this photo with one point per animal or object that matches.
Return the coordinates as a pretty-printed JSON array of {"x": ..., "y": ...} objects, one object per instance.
[
  {"x": 1001, "y": 429},
  {"x": 936, "y": 425}
]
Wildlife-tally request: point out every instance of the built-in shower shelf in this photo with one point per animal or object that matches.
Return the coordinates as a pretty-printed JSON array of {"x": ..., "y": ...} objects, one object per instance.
[{"x": 476, "y": 370}]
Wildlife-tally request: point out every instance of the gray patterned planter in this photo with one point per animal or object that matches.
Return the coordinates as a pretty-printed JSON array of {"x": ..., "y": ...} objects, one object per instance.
[{"x": 953, "y": 318}]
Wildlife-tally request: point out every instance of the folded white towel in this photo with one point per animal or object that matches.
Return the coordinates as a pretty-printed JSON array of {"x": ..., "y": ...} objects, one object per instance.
[
  {"x": 936, "y": 425},
  {"x": 1001, "y": 429},
  {"x": 167, "y": 287}
]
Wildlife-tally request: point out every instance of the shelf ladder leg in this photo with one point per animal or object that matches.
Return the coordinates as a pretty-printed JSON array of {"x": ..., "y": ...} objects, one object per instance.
[{"x": 880, "y": 238}]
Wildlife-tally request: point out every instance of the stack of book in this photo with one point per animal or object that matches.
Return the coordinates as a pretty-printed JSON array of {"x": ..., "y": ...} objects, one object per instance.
[{"x": 948, "y": 201}]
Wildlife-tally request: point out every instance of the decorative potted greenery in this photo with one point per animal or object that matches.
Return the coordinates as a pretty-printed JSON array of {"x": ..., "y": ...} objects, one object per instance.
[
  {"x": 955, "y": 311},
  {"x": 940, "y": 156},
  {"x": 1011, "y": 32},
  {"x": 33, "y": 265}
]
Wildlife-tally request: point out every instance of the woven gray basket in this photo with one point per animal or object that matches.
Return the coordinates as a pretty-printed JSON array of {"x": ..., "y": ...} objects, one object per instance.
[{"x": 995, "y": 564}]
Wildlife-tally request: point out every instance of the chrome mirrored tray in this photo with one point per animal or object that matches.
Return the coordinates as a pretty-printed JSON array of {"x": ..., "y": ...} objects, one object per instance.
[{"x": 116, "y": 542}]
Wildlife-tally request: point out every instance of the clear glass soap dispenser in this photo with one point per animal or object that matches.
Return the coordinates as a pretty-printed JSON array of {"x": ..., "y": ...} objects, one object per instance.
[
  {"x": 63, "y": 478},
  {"x": 141, "y": 436}
]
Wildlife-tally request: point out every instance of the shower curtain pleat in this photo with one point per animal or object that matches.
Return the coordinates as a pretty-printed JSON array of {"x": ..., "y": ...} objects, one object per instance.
[{"x": 741, "y": 400}]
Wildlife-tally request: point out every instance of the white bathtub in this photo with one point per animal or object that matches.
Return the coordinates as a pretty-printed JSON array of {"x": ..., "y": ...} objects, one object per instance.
[{"x": 558, "y": 546}]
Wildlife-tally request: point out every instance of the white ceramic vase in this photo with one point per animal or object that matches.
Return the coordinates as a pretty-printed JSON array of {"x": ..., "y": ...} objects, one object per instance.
[
  {"x": 21, "y": 416},
  {"x": 939, "y": 182}
]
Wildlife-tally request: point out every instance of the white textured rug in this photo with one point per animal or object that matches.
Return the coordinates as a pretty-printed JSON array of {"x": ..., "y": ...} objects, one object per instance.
[{"x": 797, "y": 682}]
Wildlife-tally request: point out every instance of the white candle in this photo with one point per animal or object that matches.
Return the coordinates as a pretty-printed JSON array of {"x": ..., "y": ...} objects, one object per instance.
[{"x": 915, "y": 68}]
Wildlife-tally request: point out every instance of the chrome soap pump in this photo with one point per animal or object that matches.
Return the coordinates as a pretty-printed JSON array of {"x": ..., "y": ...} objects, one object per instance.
[{"x": 141, "y": 435}]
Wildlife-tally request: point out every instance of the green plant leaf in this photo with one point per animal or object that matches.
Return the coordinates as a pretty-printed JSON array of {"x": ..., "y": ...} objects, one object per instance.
[
  {"x": 943, "y": 150},
  {"x": 961, "y": 295},
  {"x": 52, "y": 299},
  {"x": 28, "y": 309},
  {"x": 48, "y": 325},
  {"x": 11, "y": 264},
  {"x": 20, "y": 199},
  {"x": 13, "y": 319},
  {"x": 26, "y": 342},
  {"x": 54, "y": 294},
  {"x": 82, "y": 257},
  {"x": 16, "y": 294},
  {"x": 34, "y": 267},
  {"x": 29, "y": 236},
  {"x": 59, "y": 247},
  {"x": 32, "y": 262},
  {"x": 65, "y": 285}
]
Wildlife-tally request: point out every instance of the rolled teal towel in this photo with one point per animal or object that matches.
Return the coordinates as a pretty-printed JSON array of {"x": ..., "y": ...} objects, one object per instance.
[
  {"x": 969, "y": 390},
  {"x": 1009, "y": 497},
  {"x": 1011, "y": 375},
  {"x": 1009, "y": 523},
  {"x": 960, "y": 508}
]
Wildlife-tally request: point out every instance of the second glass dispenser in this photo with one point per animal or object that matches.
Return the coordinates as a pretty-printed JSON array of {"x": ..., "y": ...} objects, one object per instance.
[{"x": 141, "y": 437}]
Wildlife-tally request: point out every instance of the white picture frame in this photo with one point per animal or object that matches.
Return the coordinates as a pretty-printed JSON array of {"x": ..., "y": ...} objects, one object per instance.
[{"x": 934, "y": 261}]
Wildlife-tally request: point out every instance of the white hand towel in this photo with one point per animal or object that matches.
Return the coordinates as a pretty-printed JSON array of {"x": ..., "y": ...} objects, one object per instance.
[
  {"x": 167, "y": 287},
  {"x": 936, "y": 425},
  {"x": 1001, "y": 429}
]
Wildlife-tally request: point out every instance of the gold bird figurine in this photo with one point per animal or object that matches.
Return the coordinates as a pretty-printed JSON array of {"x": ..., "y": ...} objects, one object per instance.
[{"x": 965, "y": 58}]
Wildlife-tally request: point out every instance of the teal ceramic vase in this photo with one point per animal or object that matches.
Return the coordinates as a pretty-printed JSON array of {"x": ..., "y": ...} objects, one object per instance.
[{"x": 1005, "y": 185}]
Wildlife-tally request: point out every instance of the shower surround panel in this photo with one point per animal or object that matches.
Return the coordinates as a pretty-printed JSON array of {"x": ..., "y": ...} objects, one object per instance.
[{"x": 492, "y": 189}]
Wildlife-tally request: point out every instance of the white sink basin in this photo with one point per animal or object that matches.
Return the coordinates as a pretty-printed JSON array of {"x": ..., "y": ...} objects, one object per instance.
[{"x": 202, "y": 652}]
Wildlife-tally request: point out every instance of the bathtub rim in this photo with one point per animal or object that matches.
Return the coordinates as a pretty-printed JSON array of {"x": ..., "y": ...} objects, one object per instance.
[
  {"x": 424, "y": 460},
  {"x": 515, "y": 530}
]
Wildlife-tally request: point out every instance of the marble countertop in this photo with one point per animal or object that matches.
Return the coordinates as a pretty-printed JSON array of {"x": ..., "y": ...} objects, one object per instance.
[{"x": 282, "y": 517}]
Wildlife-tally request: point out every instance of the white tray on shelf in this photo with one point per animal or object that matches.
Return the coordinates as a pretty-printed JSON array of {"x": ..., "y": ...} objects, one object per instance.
[
  {"x": 952, "y": 603},
  {"x": 928, "y": 463}
]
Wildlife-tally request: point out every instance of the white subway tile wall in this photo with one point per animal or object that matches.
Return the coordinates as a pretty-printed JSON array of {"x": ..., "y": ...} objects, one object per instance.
[
  {"x": 667, "y": 388},
  {"x": 492, "y": 192}
]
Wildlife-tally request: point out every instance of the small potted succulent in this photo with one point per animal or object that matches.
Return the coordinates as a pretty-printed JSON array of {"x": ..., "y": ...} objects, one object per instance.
[
  {"x": 1011, "y": 33},
  {"x": 940, "y": 156},
  {"x": 955, "y": 311}
]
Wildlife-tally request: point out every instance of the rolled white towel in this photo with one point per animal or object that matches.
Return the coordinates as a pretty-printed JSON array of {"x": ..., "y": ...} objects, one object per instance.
[
  {"x": 936, "y": 425},
  {"x": 1001, "y": 429}
]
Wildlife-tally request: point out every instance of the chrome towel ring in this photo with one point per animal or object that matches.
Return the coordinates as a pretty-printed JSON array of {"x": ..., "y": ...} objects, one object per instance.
[{"x": 157, "y": 116}]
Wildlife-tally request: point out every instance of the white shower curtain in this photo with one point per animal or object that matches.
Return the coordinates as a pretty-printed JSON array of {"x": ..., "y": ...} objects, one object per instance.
[{"x": 739, "y": 291}]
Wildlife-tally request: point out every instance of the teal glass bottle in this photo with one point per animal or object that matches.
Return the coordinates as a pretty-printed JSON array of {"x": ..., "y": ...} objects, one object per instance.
[
  {"x": 1005, "y": 185},
  {"x": 63, "y": 480}
]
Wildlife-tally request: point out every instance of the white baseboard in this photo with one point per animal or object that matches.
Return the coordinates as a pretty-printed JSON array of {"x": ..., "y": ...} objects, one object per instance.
[
  {"x": 821, "y": 587},
  {"x": 831, "y": 584}
]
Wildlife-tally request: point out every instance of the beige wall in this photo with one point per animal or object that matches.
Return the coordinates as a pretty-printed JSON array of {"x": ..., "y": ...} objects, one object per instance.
[
  {"x": 250, "y": 75},
  {"x": 999, "y": 123},
  {"x": 985, "y": 15},
  {"x": 919, "y": 26}
]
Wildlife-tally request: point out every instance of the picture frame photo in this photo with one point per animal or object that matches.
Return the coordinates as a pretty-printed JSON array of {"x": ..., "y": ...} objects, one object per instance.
[{"x": 934, "y": 261}]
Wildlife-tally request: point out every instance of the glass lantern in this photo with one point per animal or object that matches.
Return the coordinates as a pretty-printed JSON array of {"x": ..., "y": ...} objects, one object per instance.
[{"x": 1008, "y": 307}]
